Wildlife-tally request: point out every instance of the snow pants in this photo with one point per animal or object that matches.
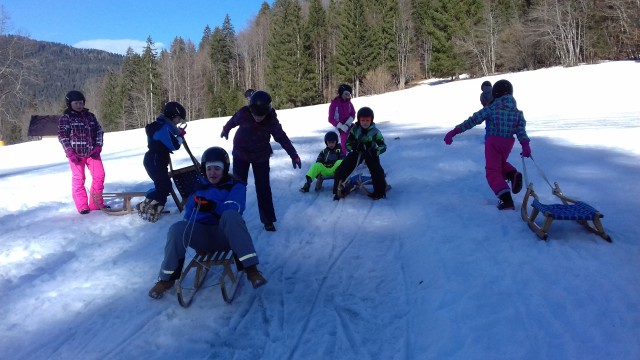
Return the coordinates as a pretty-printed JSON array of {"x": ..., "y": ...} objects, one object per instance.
[
  {"x": 496, "y": 152},
  {"x": 230, "y": 233},
  {"x": 373, "y": 163},
  {"x": 157, "y": 167},
  {"x": 78, "y": 177},
  {"x": 319, "y": 169},
  {"x": 262, "y": 183},
  {"x": 343, "y": 139}
]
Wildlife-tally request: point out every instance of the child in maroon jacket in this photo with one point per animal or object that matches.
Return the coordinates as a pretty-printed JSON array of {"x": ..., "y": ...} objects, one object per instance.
[{"x": 342, "y": 113}]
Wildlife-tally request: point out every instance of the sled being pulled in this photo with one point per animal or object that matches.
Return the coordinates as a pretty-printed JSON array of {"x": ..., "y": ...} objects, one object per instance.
[
  {"x": 194, "y": 275},
  {"x": 569, "y": 209}
]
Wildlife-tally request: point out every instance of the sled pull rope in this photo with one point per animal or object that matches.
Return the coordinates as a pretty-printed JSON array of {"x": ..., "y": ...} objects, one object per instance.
[{"x": 526, "y": 177}]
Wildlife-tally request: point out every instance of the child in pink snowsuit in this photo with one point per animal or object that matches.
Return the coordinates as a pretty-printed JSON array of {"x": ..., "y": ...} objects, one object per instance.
[
  {"x": 80, "y": 134},
  {"x": 342, "y": 113},
  {"x": 503, "y": 120}
]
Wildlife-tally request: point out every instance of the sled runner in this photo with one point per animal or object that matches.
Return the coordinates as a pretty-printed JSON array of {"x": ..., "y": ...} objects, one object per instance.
[
  {"x": 569, "y": 209},
  {"x": 201, "y": 264},
  {"x": 123, "y": 199}
]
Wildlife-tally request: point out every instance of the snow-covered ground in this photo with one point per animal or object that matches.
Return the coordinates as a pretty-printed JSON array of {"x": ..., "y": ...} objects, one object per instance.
[{"x": 432, "y": 272}]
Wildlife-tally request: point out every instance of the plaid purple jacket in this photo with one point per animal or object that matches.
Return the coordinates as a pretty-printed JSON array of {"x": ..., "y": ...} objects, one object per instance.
[
  {"x": 503, "y": 119},
  {"x": 79, "y": 131}
]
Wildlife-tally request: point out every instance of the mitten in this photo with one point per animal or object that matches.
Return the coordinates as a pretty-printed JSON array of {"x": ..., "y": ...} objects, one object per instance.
[
  {"x": 204, "y": 204},
  {"x": 224, "y": 134},
  {"x": 343, "y": 127},
  {"x": 71, "y": 155},
  {"x": 526, "y": 149},
  {"x": 95, "y": 153},
  {"x": 373, "y": 152},
  {"x": 448, "y": 139},
  {"x": 296, "y": 162},
  {"x": 183, "y": 132},
  {"x": 349, "y": 121}
]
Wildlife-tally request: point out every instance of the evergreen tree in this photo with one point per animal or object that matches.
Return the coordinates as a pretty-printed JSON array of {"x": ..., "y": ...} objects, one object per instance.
[
  {"x": 291, "y": 75},
  {"x": 153, "y": 92},
  {"x": 319, "y": 37},
  {"x": 355, "y": 51},
  {"x": 132, "y": 100},
  {"x": 111, "y": 114}
]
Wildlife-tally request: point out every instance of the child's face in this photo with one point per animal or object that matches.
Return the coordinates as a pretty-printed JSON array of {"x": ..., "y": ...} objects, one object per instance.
[
  {"x": 331, "y": 144},
  {"x": 214, "y": 174},
  {"x": 346, "y": 95},
  {"x": 176, "y": 120},
  {"x": 365, "y": 122},
  {"x": 77, "y": 105}
]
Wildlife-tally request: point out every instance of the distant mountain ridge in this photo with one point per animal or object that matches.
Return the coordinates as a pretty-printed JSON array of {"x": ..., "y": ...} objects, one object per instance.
[{"x": 57, "y": 68}]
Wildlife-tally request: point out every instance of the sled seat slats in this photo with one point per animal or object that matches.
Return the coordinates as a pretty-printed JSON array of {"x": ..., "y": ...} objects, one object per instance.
[
  {"x": 577, "y": 211},
  {"x": 187, "y": 180},
  {"x": 202, "y": 263}
]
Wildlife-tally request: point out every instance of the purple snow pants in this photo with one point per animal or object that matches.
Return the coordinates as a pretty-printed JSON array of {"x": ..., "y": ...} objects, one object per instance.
[{"x": 496, "y": 152}]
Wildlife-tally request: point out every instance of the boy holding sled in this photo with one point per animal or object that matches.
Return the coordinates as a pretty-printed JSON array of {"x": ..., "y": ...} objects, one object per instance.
[
  {"x": 365, "y": 142},
  {"x": 503, "y": 120},
  {"x": 163, "y": 138},
  {"x": 212, "y": 222},
  {"x": 326, "y": 163}
]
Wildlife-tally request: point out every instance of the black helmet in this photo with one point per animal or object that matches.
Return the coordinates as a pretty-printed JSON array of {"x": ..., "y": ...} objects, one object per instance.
[
  {"x": 260, "y": 103},
  {"x": 365, "y": 112},
  {"x": 214, "y": 154},
  {"x": 344, "y": 87},
  {"x": 501, "y": 88},
  {"x": 173, "y": 109},
  {"x": 248, "y": 93},
  {"x": 485, "y": 83},
  {"x": 330, "y": 136},
  {"x": 73, "y": 95}
]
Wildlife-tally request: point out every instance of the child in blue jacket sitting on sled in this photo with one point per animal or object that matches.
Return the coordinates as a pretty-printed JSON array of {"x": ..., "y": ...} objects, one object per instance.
[{"x": 326, "y": 163}]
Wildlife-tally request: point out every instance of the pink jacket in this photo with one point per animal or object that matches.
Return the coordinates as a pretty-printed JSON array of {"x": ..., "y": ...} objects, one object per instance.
[{"x": 340, "y": 110}]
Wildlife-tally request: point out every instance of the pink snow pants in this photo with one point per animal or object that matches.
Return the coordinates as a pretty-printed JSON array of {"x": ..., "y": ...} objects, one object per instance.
[
  {"x": 343, "y": 139},
  {"x": 80, "y": 198},
  {"x": 496, "y": 152}
]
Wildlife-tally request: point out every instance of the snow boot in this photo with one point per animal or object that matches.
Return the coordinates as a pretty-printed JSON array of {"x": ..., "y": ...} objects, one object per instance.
[
  {"x": 269, "y": 227},
  {"x": 160, "y": 287},
  {"x": 515, "y": 178},
  {"x": 255, "y": 277},
  {"x": 305, "y": 187},
  {"x": 506, "y": 202}
]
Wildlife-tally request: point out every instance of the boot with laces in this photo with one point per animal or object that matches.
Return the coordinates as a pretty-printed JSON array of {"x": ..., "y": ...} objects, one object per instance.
[
  {"x": 505, "y": 202},
  {"x": 255, "y": 276},
  {"x": 160, "y": 287}
]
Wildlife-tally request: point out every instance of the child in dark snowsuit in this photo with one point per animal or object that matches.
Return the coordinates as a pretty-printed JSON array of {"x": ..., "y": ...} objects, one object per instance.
[
  {"x": 256, "y": 123},
  {"x": 326, "y": 163},
  {"x": 163, "y": 138},
  {"x": 365, "y": 142},
  {"x": 503, "y": 121},
  {"x": 486, "y": 99}
]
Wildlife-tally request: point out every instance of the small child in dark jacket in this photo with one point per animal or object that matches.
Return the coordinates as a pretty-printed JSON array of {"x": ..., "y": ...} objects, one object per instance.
[
  {"x": 163, "y": 138},
  {"x": 327, "y": 162},
  {"x": 485, "y": 96},
  {"x": 365, "y": 142},
  {"x": 503, "y": 120}
]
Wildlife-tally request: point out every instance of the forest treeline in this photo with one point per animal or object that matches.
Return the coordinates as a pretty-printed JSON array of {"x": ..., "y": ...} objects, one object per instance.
[{"x": 300, "y": 50}]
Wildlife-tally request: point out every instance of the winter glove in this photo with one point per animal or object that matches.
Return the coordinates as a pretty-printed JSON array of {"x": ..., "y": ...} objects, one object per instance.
[
  {"x": 95, "y": 153},
  {"x": 372, "y": 152},
  {"x": 183, "y": 132},
  {"x": 71, "y": 155},
  {"x": 343, "y": 127},
  {"x": 296, "y": 162},
  {"x": 204, "y": 204},
  {"x": 349, "y": 121},
  {"x": 526, "y": 149},
  {"x": 224, "y": 134},
  {"x": 448, "y": 139}
]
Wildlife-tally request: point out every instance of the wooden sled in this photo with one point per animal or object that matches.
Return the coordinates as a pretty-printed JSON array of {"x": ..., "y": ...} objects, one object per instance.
[
  {"x": 201, "y": 264},
  {"x": 570, "y": 209},
  {"x": 125, "y": 207}
]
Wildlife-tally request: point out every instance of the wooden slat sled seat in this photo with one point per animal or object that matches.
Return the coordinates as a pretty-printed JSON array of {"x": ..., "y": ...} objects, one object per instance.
[
  {"x": 569, "y": 209},
  {"x": 186, "y": 180},
  {"x": 122, "y": 205},
  {"x": 194, "y": 275}
]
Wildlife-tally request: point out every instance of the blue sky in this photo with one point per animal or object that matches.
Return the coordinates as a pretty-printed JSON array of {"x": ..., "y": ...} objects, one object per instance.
[{"x": 113, "y": 25}]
